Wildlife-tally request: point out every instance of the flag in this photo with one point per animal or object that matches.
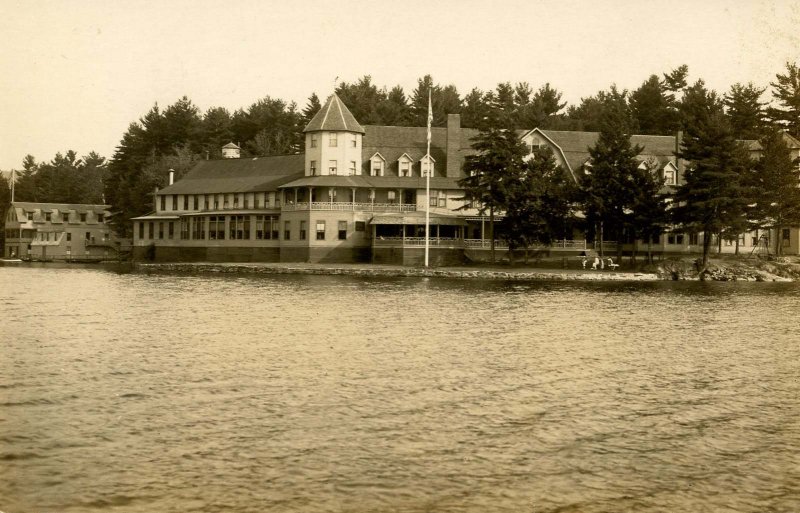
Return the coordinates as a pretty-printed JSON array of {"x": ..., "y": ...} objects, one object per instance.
[{"x": 430, "y": 116}]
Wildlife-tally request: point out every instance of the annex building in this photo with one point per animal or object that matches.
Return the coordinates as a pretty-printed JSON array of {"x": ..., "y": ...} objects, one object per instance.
[
  {"x": 357, "y": 194},
  {"x": 59, "y": 231}
]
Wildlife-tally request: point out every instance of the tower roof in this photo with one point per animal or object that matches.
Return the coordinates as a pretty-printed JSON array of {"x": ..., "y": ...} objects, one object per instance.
[{"x": 334, "y": 116}]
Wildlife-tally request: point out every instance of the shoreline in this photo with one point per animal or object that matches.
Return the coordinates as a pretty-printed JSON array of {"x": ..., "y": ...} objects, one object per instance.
[{"x": 387, "y": 271}]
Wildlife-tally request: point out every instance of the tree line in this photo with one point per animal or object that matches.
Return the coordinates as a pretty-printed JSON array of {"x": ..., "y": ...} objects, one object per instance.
[
  {"x": 726, "y": 192},
  {"x": 177, "y": 136}
]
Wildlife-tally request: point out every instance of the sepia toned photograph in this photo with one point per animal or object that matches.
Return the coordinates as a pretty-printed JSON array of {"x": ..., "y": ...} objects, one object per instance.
[{"x": 361, "y": 256}]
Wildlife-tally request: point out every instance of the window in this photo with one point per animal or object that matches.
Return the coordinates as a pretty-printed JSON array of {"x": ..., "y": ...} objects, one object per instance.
[
  {"x": 170, "y": 230},
  {"x": 354, "y": 141},
  {"x": 332, "y": 140},
  {"x": 184, "y": 228},
  {"x": 786, "y": 233},
  {"x": 262, "y": 234},
  {"x": 88, "y": 236},
  {"x": 352, "y": 167},
  {"x": 65, "y": 216},
  {"x": 240, "y": 227},
  {"x": 405, "y": 168},
  {"x": 342, "y": 230},
  {"x": 174, "y": 202},
  {"x": 313, "y": 140},
  {"x": 275, "y": 228},
  {"x": 332, "y": 167},
  {"x": 100, "y": 218},
  {"x": 197, "y": 202},
  {"x": 320, "y": 230},
  {"x": 199, "y": 228},
  {"x": 377, "y": 168},
  {"x": 302, "y": 231},
  {"x": 313, "y": 168},
  {"x": 160, "y": 229},
  {"x": 150, "y": 229},
  {"x": 287, "y": 232},
  {"x": 47, "y": 216},
  {"x": 163, "y": 202},
  {"x": 141, "y": 232},
  {"x": 693, "y": 237},
  {"x": 246, "y": 201},
  {"x": 83, "y": 217},
  {"x": 425, "y": 164},
  {"x": 669, "y": 177},
  {"x": 186, "y": 202},
  {"x": 391, "y": 197},
  {"x": 361, "y": 226},
  {"x": 30, "y": 216},
  {"x": 216, "y": 227}
]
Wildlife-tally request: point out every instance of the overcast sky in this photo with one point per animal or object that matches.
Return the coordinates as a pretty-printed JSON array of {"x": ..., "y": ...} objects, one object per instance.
[{"x": 74, "y": 74}]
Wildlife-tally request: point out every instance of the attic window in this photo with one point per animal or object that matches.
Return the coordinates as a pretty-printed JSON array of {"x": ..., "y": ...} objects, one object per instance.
[
  {"x": 425, "y": 163},
  {"x": 669, "y": 177},
  {"x": 376, "y": 165}
]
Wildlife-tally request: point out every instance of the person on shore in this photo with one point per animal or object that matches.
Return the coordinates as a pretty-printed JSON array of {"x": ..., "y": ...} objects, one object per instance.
[
  {"x": 596, "y": 262},
  {"x": 611, "y": 264},
  {"x": 584, "y": 262}
]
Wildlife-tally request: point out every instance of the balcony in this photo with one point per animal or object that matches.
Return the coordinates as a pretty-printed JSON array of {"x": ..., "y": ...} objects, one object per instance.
[
  {"x": 449, "y": 242},
  {"x": 350, "y": 206}
]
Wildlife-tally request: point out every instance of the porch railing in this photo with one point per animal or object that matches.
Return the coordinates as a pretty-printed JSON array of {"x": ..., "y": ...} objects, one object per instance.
[
  {"x": 418, "y": 241},
  {"x": 350, "y": 206}
]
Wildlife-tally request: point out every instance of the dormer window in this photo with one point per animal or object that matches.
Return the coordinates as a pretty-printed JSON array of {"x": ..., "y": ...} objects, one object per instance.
[
  {"x": 405, "y": 168},
  {"x": 332, "y": 140},
  {"x": 376, "y": 165},
  {"x": 427, "y": 163},
  {"x": 669, "y": 177},
  {"x": 313, "y": 140}
]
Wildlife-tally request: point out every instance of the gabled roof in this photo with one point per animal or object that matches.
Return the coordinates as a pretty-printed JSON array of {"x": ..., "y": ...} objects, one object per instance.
[
  {"x": 230, "y": 146},
  {"x": 238, "y": 175},
  {"x": 377, "y": 154},
  {"x": 394, "y": 141},
  {"x": 377, "y": 182},
  {"x": 334, "y": 116}
]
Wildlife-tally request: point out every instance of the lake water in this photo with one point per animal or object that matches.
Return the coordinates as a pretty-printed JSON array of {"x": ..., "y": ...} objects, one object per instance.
[{"x": 133, "y": 393}]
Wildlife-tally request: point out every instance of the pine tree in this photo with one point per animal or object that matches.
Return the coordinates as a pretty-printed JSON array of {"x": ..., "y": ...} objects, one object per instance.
[
  {"x": 745, "y": 110},
  {"x": 786, "y": 91},
  {"x": 312, "y": 107},
  {"x": 491, "y": 172},
  {"x": 608, "y": 189},
  {"x": 648, "y": 208},
  {"x": 712, "y": 199},
  {"x": 777, "y": 186}
]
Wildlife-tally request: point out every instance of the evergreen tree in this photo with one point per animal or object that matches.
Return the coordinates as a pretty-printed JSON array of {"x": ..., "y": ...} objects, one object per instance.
[
  {"x": 215, "y": 132},
  {"x": 653, "y": 108},
  {"x": 538, "y": 204},
  {"x": 712, "y": 199},
  {"x": 312, "y": 107},
  {"x": 362, "y": 98},
  {"x": 5, "y": 204},
  {"x": 491, "y": 172},
  {"x": 476, "y": 110},
  {"x": 777, "y": 186},
  {"x": 648, "y": 217},
  {"x": 745, "y": 110},
  {"x": 608, "y": 189},
  {"x": 786, "y": 91},
  {"x": 394, "y": 111},
  {"x": 444, "y": 101}
]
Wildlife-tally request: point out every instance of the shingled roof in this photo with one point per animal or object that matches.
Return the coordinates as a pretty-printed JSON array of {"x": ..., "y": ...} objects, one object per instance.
[
  {"x": 334, "y": 116},
  {"x": 238, "y": 175}
]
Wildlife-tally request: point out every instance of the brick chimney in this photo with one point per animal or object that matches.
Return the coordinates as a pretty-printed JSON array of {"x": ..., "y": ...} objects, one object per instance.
[{"x": 453, "y": 146}]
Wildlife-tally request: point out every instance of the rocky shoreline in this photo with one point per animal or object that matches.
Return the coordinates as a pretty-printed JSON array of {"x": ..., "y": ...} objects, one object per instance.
[
  {"x": 726, "y": 269},
  {"x": 393, "y": 271}
]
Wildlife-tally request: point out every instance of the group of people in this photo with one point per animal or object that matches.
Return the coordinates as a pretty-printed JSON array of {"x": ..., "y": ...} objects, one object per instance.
[{"x": 599, "y": 263}]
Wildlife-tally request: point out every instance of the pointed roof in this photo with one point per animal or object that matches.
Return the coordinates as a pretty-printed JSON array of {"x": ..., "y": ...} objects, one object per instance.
[
  {"x": 232, "y": 146},
  {"x": 334, "y": 116}
]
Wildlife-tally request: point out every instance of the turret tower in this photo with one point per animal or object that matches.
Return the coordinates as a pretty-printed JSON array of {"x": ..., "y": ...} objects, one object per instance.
[{"x": 333, "y": 141}]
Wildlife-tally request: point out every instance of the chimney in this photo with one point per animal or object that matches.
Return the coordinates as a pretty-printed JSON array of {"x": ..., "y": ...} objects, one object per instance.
[
  {"x": 453, "y": 169},
  {"x": 171, "y": 176}
]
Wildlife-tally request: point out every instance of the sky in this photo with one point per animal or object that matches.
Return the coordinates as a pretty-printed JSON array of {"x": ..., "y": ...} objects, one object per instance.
[{"x": 75, "y": 74}]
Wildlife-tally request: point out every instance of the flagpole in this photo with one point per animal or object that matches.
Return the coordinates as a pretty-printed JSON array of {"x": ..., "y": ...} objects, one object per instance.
[
  {"x": 428, "y": 184},
  {"x": 12, "y": 185}
]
